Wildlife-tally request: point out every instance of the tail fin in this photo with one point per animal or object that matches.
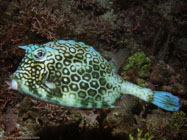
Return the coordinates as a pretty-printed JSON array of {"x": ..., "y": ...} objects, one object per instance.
[
  {"x": 166, "y": 100},
  {"x": 162, "y": 99}
]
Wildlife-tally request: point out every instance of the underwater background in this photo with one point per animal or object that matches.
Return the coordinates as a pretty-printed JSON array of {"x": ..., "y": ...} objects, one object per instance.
[{"x": 149, "y": 38}]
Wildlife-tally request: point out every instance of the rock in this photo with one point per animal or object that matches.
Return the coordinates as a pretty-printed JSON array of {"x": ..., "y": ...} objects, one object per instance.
[
  {"x": 167, "y": 88},
  {"x": 182, "y": 44},
  {"x": 156, "y": 79}
]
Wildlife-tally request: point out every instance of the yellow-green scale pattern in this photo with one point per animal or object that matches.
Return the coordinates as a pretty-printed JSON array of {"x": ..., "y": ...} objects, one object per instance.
[{"x": 68, "y": 73}]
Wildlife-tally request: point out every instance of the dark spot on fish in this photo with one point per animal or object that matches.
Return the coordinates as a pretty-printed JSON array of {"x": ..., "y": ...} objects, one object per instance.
[
  {"x": 102, "y": 81},
  {"x": 65, "y": 80},
  {"x": 75, "y": 77},
  {"x": 58, "y": 57},
  {"x": 79, "y": 56},
  {"x": 88, "y": 69},
  {"x": 98, "y": 98},
  {"x": 82, "y": 94},
  {"x": 96, "y": 67},
  {"x": 86, "y": 76},
  {"x": 94, "y": 84},
  {"x": 102, "y": 90},
  {"x": 80, "y": 71},
  {"x": 92, "y": 92},
  {"x": 73, "y": 87},
  {"x": 65, "y": 71},
  {"x": 84, "y": 85},
  {"x": 95, "y": 75}
]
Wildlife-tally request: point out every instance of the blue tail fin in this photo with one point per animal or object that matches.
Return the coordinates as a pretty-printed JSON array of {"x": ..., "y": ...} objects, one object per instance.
[{"x": 166, "y": 100}]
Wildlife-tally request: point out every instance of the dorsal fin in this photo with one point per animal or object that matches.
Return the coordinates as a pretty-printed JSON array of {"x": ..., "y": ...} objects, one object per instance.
[{"x": 116, "y": 59}]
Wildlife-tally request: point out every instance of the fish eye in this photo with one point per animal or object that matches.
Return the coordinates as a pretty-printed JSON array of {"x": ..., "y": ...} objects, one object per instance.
[{"x": 39, "y": 53}]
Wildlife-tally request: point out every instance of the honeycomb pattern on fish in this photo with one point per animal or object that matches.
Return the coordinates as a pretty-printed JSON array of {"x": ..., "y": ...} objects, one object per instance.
[
  {"x": 78, "y": 75},
  {"x": 73, "y": 74}
]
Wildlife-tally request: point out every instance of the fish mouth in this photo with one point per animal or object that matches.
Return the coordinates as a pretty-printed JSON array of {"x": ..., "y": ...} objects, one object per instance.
[{"x": 13, "y": 83}]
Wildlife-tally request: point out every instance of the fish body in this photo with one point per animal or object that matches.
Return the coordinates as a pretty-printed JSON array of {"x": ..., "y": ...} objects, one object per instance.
[{"x": 73, "y": 74}]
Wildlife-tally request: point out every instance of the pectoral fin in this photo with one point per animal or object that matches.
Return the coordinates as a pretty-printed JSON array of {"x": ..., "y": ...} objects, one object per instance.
[{"x": 50, "y": 85}]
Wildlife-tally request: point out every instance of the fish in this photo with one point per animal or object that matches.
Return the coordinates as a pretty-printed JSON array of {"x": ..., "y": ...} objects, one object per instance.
[{"x": 73, "y": 74}]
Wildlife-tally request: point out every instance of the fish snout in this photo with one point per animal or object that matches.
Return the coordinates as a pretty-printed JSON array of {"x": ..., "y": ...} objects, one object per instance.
[{"x": 13, "y": 83}]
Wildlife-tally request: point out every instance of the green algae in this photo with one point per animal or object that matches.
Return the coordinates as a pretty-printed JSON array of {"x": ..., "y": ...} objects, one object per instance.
[
  {"x": 140, "y": 136},
  {"x": 142, "y": 83},
  {"x": 179, "y": 119},
  {"x": 140, "y": 62}
]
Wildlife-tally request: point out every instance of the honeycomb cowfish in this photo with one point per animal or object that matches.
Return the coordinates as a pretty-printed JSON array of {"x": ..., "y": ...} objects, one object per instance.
[{"x": 74, "y": 74}]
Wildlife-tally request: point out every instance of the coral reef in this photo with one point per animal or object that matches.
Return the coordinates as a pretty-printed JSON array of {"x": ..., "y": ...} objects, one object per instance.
[
  {"x": 154, "y": 32},
  {"x": 39, "y": 20}
]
